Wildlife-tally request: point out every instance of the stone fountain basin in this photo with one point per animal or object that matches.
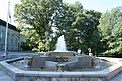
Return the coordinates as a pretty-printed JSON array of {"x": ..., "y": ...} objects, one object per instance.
[
  {"x": 62, "y": 54},
  {"x": 21, "y": 75},
  {"x": 70, "y": 62}
]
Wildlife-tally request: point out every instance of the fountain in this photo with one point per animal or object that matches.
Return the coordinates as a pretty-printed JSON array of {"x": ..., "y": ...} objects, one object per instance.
[
  {"x": 60, "y": 45},
  {"x": 63, "y": 60},
  {"x": 61, "y": 49},
  {"x": 59, "y": 65}
]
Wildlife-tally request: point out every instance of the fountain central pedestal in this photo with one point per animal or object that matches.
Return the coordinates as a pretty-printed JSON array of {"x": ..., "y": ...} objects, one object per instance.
[{"x": 61, "y": 67}]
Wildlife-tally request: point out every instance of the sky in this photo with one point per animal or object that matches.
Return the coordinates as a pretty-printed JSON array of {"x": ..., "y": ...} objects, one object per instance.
[
  {"x": 97, "y": 5},
  {"x": 4, "y": 9}
]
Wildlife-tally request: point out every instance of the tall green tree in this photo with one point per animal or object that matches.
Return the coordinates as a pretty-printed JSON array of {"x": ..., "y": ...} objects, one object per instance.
[
  {"x": 79, "y": 27},
  {"x": 88, "y": 34},
  {"x": 64, "y": 23},
  {"x": 111, "y": 32},
  {"x": 31, "y": 39},
  {"x": 38, "y": 14}
]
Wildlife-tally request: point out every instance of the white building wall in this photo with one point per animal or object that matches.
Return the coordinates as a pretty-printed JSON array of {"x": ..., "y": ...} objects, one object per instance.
[{"x": 13, "y": 39}]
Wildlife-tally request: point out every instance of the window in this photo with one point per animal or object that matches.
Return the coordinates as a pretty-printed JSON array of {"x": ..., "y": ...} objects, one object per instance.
[
  {"x": 16, "y": 41},
  {"x": 12, "y": 35},
  {"x": 12, "y": 41},
  {"x": 1, "y": 37},
  {"x": 1, "y": 34}
]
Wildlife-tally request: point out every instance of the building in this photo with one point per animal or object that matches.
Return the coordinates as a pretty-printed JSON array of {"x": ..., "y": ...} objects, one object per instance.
[{"x": 13, "y": 39}]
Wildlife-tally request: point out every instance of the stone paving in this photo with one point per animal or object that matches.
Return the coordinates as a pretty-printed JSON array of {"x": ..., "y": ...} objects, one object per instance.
[
  {"x": 117, "y": 78},
  {"x": 4, "y": 77}
]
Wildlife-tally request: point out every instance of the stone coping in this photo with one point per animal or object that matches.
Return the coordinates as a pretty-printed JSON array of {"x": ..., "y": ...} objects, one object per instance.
[
  {"x": 14, "y": 72},
  {"x": 111, "y": 59}
]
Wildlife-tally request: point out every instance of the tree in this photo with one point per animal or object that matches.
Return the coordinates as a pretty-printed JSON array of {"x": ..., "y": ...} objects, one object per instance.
[
  {"x": 79, "y": 26},
  {"x": 32, "y": 39},
  {"x": 86, "y": 24},
  {"x": 111, "y": 31},
  {"x": 64, "y": 24},
  {"x": 38, "y": 14}
]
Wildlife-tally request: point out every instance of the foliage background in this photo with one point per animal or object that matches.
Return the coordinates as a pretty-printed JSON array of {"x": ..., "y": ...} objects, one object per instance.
[{"x": 43, "y": 21}]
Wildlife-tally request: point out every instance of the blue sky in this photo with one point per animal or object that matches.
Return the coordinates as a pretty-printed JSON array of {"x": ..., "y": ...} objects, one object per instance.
[{"x": 97, "y": 5}]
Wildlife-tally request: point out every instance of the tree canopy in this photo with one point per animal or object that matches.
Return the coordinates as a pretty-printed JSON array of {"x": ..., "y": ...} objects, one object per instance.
[
  {"x": 38, "y": 15},
  {"x": 78, "y": 25},
  {"x": 111, "y": 31}
]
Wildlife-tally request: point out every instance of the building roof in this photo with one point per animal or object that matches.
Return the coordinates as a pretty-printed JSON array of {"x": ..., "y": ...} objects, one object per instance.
[{"x": 3, "y": 23}]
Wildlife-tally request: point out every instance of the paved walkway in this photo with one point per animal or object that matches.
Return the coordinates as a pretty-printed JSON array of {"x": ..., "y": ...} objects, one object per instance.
[
  {"x": 4, "y": 77},
  {"x": 117, "y": 78}
]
